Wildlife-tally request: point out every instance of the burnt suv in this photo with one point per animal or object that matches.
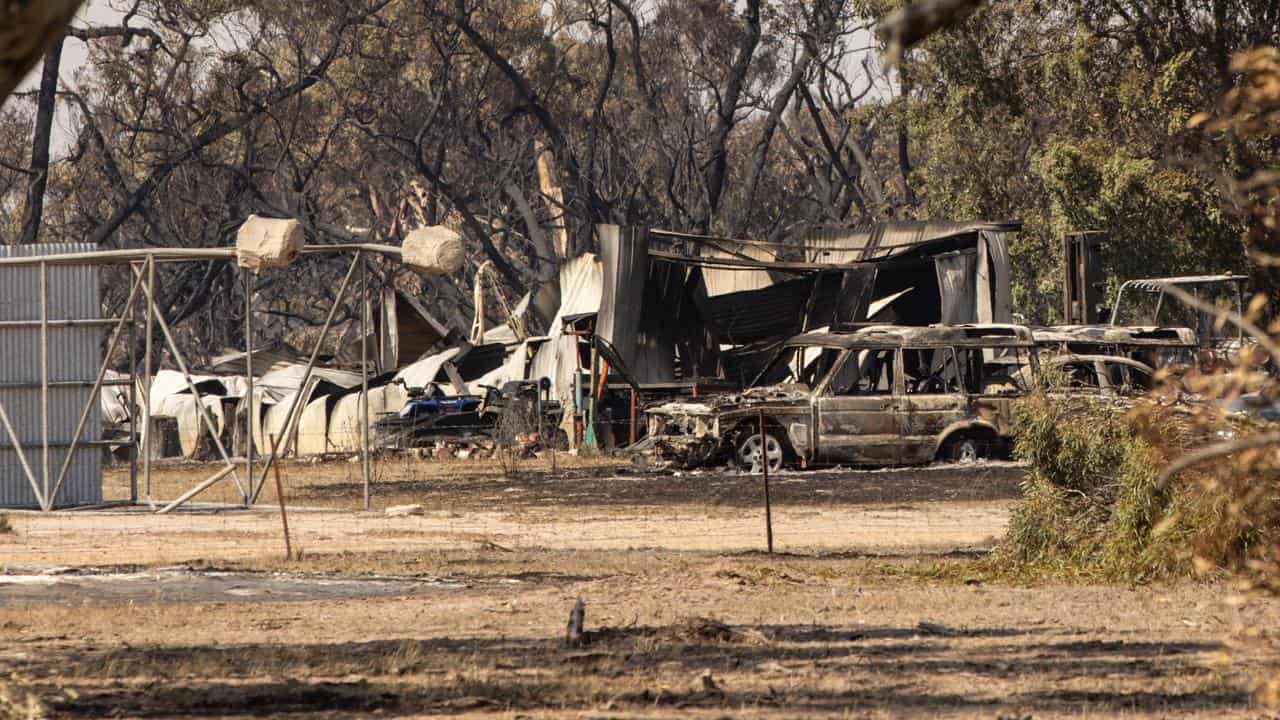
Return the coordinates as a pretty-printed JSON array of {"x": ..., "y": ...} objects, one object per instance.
[{"x": 879, "y": 395}]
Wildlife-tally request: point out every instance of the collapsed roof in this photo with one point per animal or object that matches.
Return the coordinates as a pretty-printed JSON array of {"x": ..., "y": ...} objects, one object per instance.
[{"x": 673, "y": 303}]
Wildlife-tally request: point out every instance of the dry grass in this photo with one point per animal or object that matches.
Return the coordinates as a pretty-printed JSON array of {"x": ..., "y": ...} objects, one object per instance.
[
  {"x": 668, "y": 635},
  {"x": 398, "y": 478},
  {"x": 18, "y": 703}
]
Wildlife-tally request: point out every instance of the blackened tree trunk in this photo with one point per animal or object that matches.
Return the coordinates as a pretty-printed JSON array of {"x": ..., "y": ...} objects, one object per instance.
[{"x": 41, "y": 138}]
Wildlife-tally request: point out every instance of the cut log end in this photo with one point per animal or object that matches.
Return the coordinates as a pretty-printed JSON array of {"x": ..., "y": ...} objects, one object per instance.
[
  {"x": 435, "y": 250},
  {"x": 263, "y": 243}
]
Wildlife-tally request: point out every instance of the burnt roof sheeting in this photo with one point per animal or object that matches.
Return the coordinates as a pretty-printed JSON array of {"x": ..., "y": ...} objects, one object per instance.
[
  {"x": 624, "y": 261},
  {"x": 725, "y": 281},
  {"x": 411, "y": 331},
  {"x": 881, "y": 241},
  {"x": 832, "y": 299},
  {"x": 233, "y": 362},
  {"x": 777, "y": 311},
  {"x": 984, "y": 335}
]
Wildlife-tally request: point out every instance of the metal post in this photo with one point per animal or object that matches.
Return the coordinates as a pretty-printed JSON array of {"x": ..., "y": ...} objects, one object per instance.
[
  {"x": 44, "y": 377},
  {"x": 364, "y": 379},
  {"x": 147, "y": 429},
  {"x": 248, "y": 382},
  {"x": 764, "y": 467},
  {"x": 133, "y": 406},
  {"x": 576, "y": 441},
  {"x": 633, "y": 416},
  {"x": 589, "y": 440},
  {"x": 284, "y": 519}
]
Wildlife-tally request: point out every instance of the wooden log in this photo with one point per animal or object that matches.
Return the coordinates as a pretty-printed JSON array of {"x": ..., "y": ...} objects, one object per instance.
[
  {"x": 266, "y": 243},
  {"x": 436, "y": 250}
]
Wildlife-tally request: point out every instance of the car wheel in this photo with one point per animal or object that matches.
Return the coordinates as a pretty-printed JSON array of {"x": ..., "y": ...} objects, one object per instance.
[
  {"x": 966, "y": 449},
  {"x": 747, "y": 451}
]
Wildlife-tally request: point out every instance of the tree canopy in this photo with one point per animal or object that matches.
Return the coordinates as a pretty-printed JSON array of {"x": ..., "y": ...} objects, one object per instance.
[{"x": 523, "y": 123}]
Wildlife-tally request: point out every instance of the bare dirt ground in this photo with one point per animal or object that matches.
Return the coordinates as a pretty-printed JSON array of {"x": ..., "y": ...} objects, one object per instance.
[{"x": 879, "y": 603}]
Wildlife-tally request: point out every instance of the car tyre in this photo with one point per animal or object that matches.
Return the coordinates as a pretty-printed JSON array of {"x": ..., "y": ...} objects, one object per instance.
[
  {"x": 746, "y": 450},
  {"x": 966, "y": 448}
]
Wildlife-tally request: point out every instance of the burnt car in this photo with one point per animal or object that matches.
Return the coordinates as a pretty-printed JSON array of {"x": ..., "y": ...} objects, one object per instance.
[
  {"x": 431, "y": 416},
  {"x": 1157, "y": 347},
  {"x": 1104, "y": 375},
  {"x": 1155, "y": 301},
  {"x": 879, "y": 395}
]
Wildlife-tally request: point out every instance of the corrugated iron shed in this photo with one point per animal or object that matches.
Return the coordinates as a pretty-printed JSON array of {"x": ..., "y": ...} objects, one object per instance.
[{"x": 74, "y": 356}]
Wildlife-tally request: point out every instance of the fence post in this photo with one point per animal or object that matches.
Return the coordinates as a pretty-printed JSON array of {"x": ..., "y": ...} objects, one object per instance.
[{"x": 764, "y": 467}]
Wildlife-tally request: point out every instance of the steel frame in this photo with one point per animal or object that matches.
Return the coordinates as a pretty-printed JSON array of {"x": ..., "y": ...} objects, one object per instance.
[{"x": 142, "y": 265}]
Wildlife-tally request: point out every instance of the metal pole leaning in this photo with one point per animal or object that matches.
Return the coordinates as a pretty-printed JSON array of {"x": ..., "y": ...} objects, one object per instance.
[
  {"x": 93, "y": 395},
  {"x": 278, "y": 449},
  {"x": 191, "y": 385},
  {"x": 284, "y": 518},
  {"x": 22, "y": 456},
  {"x": 197, "y": 489}
]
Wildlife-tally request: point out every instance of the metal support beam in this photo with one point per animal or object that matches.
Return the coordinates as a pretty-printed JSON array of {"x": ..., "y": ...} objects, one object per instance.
[
  {"x": 133, "y": 407},
  {"x": 191, "y": 385},
  {"x": 94, "y": 322},
  {"x": 148, "y": 431},
  {"x": 364, "y": 379},
  {"x": 248, "y": 381},
  {"x": 22, "y": 456},
  {"x": 44, "y": 379},
  {"x": 276, "y": 448},
  {"x": 197, "y": 490}
]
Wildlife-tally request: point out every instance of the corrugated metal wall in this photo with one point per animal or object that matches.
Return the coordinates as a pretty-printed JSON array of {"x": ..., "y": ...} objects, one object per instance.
[{"x": 75, "y": 355}]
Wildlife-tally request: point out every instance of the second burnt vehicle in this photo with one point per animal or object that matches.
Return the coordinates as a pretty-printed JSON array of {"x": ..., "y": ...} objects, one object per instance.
[
  {"x": 878, "y": 395},
  {"x": 430, "y": 416}
]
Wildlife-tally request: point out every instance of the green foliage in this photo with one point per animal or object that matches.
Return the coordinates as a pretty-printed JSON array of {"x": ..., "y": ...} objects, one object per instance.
[
  {"x": 1047, "y": 118},
  {"x": 1092, "y": 506}
]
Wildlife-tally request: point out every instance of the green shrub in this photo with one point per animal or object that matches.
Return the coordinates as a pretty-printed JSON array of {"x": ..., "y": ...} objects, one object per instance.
[{"x": 1092, "y": 505}]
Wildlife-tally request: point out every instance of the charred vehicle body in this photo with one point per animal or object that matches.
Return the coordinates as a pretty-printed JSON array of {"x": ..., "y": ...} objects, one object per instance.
[
  {"x": 1106, "y": 375},
  {"x": 1155, "y": 301},
  {"x": 1157, "y": 347},
  {"x": 430, "y": 416},
  {"x": 879, "y": 395}
]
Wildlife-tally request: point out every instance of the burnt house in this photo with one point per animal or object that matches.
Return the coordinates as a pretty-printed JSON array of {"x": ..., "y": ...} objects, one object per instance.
[{"x": 677, "y": 307}]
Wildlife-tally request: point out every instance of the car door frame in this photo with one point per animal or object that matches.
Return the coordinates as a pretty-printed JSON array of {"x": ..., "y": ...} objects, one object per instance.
[
  {"x": 940, "y": 411},
  {"x": 833, "y": 414}
]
